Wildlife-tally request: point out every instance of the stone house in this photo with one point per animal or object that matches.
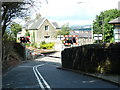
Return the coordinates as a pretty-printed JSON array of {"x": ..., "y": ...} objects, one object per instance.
[
  {"x": 40, "y": 29},
  {"x": 116, "y": 23}
]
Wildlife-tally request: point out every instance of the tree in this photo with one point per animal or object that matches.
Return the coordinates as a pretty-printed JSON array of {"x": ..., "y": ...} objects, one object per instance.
[
  {"x": 101, "y": 26},
  {"x": 64, "y": 30},
  {"x": 27, "y": 33},
  {"x": 11, "y": 10},
  {"x": 15, "y": 28}
]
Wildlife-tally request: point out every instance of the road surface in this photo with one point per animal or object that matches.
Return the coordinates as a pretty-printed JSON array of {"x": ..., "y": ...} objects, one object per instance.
[{"x": 42, "y": 74}]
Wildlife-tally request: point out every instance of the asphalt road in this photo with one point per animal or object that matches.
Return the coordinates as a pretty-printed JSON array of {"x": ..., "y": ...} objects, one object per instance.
[{"x": 42, "y": 73}]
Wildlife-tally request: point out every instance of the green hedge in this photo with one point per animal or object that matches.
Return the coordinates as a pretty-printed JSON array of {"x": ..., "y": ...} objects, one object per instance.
[
  {"x": 95, "y": 58},
  {"x": 34, "y": 45},
  {"x": 27, "y": 44},
  {"x": 45, "y": 45}
]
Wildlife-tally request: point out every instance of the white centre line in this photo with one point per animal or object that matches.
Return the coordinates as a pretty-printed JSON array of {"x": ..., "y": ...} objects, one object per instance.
[{"x": 40, "y": 78}]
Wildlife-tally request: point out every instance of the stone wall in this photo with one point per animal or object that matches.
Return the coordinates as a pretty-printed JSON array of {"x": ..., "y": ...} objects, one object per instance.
[
  {"x": 95, "y": 58},
  {"x": 12, "y": 54},
  {"x": 20, "y": 50}
]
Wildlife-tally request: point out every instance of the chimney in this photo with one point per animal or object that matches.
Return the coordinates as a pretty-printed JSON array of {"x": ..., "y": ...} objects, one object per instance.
[{"x": 38, "y": 15}]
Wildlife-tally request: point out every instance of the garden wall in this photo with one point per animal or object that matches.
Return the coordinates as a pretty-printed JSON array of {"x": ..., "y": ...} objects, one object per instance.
[
  {"x": 12, "y": 54},
  {"x": 93, "y": 58},
  {"x": 20, "y": 50}
]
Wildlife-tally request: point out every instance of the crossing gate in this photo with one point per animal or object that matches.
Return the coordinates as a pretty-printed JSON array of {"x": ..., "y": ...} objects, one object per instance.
[
  {"x": 70, "y": 40},
  {"x": 24, "y": 39}
]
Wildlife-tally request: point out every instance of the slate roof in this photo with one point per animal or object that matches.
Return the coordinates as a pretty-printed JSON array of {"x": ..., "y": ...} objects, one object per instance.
[
  {"x": 27, "y": 24},
  {"x": 115, "y": 21},
  {"x": 56, "y": 25},
  {"x": 35, "y": 25}
]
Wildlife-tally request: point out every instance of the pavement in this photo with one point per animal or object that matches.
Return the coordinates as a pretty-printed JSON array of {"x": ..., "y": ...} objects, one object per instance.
[
  {"x": 115, "y": 79},
  {"x": 56, "y": 55}
]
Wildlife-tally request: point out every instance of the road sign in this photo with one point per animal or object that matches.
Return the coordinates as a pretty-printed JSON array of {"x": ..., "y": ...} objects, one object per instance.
[{"x": 97, "y": 36}]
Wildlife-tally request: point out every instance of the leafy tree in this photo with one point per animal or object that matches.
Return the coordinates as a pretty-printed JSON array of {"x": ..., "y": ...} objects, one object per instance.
[
  {"x": 64, "y": 30},
  {"x": 15, "y": 28},
  {"x": 101, "y": 26},
  {"x": 27, "y": 33},
  {"x": 12, "y": 10}
]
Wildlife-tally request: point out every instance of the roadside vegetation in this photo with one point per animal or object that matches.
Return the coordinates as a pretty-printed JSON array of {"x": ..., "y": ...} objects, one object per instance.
[
  {"x": 101, "y": 26},
  {"x": 42, "y": 45},
  {"x": 9, "y": 12},
  {"x": 64, "y": 30}
]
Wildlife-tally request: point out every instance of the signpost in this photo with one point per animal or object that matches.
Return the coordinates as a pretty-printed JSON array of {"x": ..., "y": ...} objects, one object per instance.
[{"x": 97, "y": 37}]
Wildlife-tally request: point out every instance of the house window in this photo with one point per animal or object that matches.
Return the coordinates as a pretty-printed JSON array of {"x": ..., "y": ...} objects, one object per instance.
[
  {"x": 46, "y": 36},
  {"x": 46, "y": 28}
]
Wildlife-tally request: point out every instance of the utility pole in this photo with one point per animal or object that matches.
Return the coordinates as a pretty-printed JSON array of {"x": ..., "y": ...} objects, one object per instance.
[{"x": 103, "y": 29}]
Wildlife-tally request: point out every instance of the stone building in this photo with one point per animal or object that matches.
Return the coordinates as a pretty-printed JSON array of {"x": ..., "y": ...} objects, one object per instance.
[
  {"x": 40, "y": 29},
  {"x": 116, "y": 23}
]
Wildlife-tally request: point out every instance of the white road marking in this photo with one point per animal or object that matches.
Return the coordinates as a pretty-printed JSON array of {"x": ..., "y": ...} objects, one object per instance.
[
  {"x": 43, "y": 79},
  {"x": 40, "y": 78}
]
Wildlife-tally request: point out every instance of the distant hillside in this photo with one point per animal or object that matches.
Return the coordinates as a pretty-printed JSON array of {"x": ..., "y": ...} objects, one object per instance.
[{"x": 83, "y": 27}]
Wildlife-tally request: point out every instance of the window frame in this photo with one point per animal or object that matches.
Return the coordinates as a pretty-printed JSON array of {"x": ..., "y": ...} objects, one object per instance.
[
  {"x": 46, "y": 28},
  {"x": 46, "y": 36}
]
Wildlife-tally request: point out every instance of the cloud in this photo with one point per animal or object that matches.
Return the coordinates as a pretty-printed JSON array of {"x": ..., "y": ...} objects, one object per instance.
[
  {"x": 76, "y": 22},
  {"x": 76, "y": 11}
]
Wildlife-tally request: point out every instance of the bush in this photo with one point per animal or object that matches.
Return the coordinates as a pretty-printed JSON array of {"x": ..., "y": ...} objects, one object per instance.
[
  {"x": 44, "y": 45},
  {"x": 27, "y": 44},
  {"x": 43, "y": 42},
  {"x": 34, "y": 45}
]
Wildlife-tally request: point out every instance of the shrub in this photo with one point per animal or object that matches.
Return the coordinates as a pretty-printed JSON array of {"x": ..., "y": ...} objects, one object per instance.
[
  {"x": 44, "y": 45},
  {"x": 43, "y": 42},
  {"x": 27, "y": 44},
  {"x": 34, "y": 45}
]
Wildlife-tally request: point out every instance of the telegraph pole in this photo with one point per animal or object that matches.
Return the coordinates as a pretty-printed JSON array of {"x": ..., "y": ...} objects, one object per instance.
[{"x": 103, "y": 30}]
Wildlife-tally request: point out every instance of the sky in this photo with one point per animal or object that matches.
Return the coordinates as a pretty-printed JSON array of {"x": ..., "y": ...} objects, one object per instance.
[{"x": 74, "y": 12}]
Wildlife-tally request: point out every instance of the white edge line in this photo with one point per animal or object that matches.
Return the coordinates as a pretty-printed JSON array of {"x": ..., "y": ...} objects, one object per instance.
[
  {"x": 41, "y": 85},
  {"x": 43, "y": 78}
]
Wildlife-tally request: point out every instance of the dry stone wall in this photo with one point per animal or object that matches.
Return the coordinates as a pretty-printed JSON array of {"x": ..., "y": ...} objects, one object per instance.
[{"x": 93, "y": 58}]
